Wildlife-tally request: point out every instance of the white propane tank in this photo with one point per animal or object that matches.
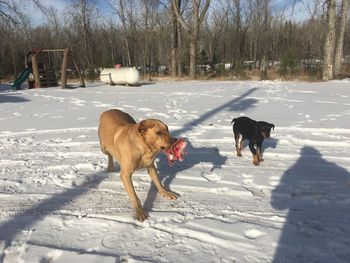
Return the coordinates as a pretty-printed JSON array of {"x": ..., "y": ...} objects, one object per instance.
[{"x": 125, "y": 76}]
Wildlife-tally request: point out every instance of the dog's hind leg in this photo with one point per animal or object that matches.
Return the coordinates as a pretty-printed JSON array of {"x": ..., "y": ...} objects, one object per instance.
[
  {"x": 110, "y": 167},
  {"x": 241, "y": 145},
  {"x": 238, "y": 144}
]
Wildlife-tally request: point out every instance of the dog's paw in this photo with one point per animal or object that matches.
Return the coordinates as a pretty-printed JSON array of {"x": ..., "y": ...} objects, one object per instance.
[
  {"x": 256, "y": 160},
  {"x": 110, "y": 168},
  {"x": 168, "y": 195},
  {"x": 141, "y": 214},
  {"x": 239, "y": 154},
  {"x": 256, "y": 163}
]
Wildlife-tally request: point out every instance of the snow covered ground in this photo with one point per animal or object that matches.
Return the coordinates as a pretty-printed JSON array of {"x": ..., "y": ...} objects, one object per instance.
[{"x": 58, "y": 203}]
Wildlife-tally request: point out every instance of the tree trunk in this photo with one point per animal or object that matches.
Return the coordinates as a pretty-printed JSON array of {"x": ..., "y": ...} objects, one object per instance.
[
  {"x": 192, "y": 30},
  {"x": 174, "y": 40},
  {"x": 179, "y": 51},
  {"x": 328, "y": 55},
  {"x": 86, "y": 32},
  {"x": 193, "y": 57},
  {"x": 145, "y": 56},
  {"x": 123, "y": 19},
  {"x": 340, "y": 39}
]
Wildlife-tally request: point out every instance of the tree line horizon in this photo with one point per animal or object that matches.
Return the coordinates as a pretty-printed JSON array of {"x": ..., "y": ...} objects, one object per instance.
[{"x": 181, "y": 35}]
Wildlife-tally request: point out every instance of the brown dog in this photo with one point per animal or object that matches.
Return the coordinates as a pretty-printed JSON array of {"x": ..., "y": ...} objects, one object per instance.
[{"x": 134, "y": 146}]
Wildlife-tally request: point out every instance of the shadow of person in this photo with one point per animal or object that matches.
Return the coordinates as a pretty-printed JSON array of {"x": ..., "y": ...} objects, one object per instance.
[
  {"x": 316, "y": 193},
  {"x": 194, "y": 156}
]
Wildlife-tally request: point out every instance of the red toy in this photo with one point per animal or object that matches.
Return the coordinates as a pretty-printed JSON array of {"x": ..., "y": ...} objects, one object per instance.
[{"x": 176, "y": 152}]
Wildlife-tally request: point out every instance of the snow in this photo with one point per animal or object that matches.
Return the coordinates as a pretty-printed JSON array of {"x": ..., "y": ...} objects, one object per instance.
[{"x": 59, "y": 204}]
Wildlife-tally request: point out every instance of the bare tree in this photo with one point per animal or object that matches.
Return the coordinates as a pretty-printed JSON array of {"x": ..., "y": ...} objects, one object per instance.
[
  {"x": 328, "y": 56},
  {"x": 239, "y": 31},
  {"x": 340, "y": 37},
  {"x": 84, "y": 10},
  {"x": 81, "y": 15},
  {"x": 174, "y": 37},
  {"x": 119, "y": 9},
  {"x": 192, "y": 28},
  {"x": 9, "y": 11},
  {"x": 145, "y": 48},
  {"x": 154, "y": 32}
]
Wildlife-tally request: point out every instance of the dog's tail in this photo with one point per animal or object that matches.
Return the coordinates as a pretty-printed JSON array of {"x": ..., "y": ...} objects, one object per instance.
[{"x": 233, "y": 120}]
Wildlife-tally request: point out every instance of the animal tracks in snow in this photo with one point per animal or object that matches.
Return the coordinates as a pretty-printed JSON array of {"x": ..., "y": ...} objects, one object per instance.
[{"x": 58, "y": 203}]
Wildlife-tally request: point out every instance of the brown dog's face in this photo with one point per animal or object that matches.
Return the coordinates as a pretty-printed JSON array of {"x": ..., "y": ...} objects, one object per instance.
[
  {"x": 265, "y": 128},
  {"x": 156, "y": 134}
]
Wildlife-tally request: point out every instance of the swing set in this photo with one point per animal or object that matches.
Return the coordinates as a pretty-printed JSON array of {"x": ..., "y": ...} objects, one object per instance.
[{"x": 44, "y": 71}]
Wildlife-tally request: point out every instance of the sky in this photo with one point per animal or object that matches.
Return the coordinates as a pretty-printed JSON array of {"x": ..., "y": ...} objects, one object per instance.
[{"x": 38, "y": 18}]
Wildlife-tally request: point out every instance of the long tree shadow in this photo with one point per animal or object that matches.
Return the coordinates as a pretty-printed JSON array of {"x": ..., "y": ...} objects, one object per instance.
[
  {"x": 197, "y": 155},
  {"x": 238, "y": 104},
  {"x": 316, "y": 194},
  {"x": 5, "y": 87},
  {"x": 27, "y": 218},
  {"x": 11, "y": 99}
]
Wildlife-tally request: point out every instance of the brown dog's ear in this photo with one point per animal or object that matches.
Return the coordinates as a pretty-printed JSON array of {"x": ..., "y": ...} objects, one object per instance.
[
  {"x": 145, "y": 125},
  {"x": 142, "y": 127}
]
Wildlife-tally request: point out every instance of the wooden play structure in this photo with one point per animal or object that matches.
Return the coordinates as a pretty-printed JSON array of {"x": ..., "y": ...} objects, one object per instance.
[{"x": 44, "y": 72}]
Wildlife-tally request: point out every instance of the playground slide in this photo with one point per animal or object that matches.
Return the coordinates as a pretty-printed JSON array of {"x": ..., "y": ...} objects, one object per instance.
[{"x": 21, "y": 78}]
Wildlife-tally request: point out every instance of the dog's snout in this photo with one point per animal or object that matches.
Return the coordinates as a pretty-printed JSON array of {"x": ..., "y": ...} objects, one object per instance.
[
  {"x": 172, "y": 140},
  {"x": 264, "y": 134},
  {"x": 169, "y": 143}
]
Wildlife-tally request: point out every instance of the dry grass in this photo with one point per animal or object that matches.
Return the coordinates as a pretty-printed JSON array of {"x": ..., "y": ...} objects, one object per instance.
[{"x": 228, "y": 76}]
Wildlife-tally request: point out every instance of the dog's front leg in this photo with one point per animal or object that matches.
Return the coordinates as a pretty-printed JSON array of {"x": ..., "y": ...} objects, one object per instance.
[
  {"x": 141, "y": 215},
  {"x": 152, "y": 171},
  {"x": 110, "y": 163},
  {"x": 259, "y": 151},
  {"x": 254, "y": 152}
]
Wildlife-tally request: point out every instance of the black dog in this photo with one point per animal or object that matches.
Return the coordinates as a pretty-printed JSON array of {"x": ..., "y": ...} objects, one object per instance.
[{"x": 253, "y": 131}]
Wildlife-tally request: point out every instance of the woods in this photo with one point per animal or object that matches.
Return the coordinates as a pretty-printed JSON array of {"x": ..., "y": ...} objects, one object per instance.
[{"x": 183, "y": 37}]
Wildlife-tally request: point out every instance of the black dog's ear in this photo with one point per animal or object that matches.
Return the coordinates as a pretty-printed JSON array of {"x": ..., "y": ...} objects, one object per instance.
[{"x": 272, "y": 126}]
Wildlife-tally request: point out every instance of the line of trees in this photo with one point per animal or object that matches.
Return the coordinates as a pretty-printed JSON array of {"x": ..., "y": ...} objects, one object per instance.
[{"x": 180, "y": 34}]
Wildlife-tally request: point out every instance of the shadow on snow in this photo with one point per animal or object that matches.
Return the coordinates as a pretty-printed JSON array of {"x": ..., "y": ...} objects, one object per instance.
[
  {"x": 23, "y": 220},
  {"x": 197, "y": 154},
  {"x": 316, "y": 194}
]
